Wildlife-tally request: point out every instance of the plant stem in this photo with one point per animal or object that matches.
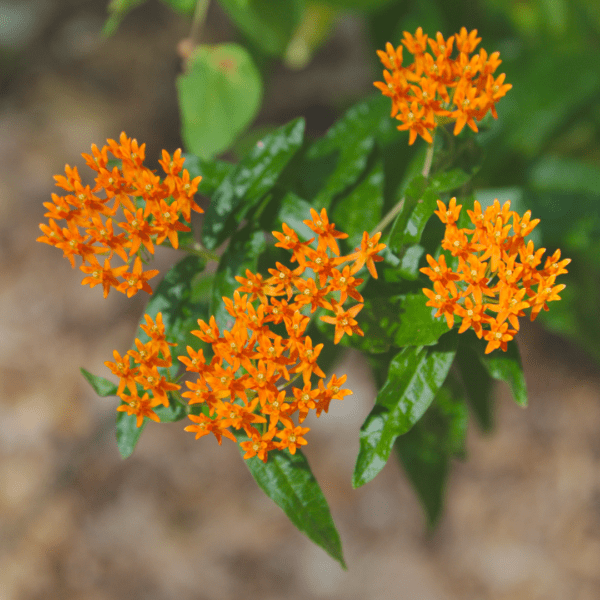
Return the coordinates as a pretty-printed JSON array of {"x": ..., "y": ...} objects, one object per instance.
[
  {"x": 197, "y": 249},
  {"x": 394, "y": 212},
  {"x": 198, "y": 20}
]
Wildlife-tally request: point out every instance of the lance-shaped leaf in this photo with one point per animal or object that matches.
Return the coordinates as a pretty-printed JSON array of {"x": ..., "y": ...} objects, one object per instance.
[
  {"x": 103, "y": 387},
  {"x": 425, "y": 451},
  {"x": 249, "y": 181},
  {"x": 268, "y": 24},
  {"x": 414, "y": 378},
  {"x": 289, "y": 482},
  {"x": 242, "y": 253},
  {"x": 213, "y": 172},
  {"x": 360, "y": 210},
  {"x": 219, "y": 94},
  {"x": 128, "y": 434},
  {"x": 336, "y": 161},
  {"x": 507, "y": 367}
]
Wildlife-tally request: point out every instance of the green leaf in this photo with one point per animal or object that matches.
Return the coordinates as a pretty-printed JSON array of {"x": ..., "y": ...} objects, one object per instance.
[
  {"x": 173, "y": 297},
  {"x": 561, "y": 174},
  {"x": 213, "y": 172},
  {"x": 117, "y": 9},
  {"x": 269, "y": 24},
  {"x": 337, "y": 160},
  {"x": 477, "y": 381},
  {"x": 417, "y": 325},
  {"x": 414, "y": 378},
  {"x": 425, "y": 451},
  {"x": 293, "y": 211},
  {"x": 251, "y": 179},
  {"x": 102, "y": 387},
  {"x": 242, "y": 253},
  {"x": 448, "y": 181},
  {"x": 360, "y": 210},
  {"x": 128, "y": 434},
  {"x": 506, "y": 366},
  {"x": 289, "y": 482},
  {"x": 219, "y": 95},
  {"x": 403, "y": 230},
  {"x": 185, "y": 7},
  {"x": 174, "y": 412},
  {"x": 362, "y": 5}
]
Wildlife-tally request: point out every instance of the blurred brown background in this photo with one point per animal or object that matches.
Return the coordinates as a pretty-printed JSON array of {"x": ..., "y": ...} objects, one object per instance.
[{"x": 183, "y": 519}]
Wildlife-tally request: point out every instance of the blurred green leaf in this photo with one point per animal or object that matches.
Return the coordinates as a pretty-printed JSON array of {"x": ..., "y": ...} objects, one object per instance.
[
  {"x": 268, "y": 23},
  {"x": 425, "y": 451},
  {"x": 289, "y": 482},
  {"x": 185, "y": 7},
  {"x": 243, "y": 253},
  {"x": 219, "y": 95},
  {"x": 565, "y": 175},
  {"x": 249, "y": 181},
  {"x": 362, "y": 5},
  {"x": 293, "y": 211},
  {"x": 117, "y": 9},
  {"x": 414, "y": 378},
  {"x": 128, "y": 434},
  {"x": 103, "y": 387}
]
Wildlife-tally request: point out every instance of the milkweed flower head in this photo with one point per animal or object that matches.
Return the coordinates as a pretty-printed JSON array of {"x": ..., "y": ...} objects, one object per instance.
[
  {"x": 146, "y": 374},
  {"x": 152, "y": 210},
  {"x": 437, "y": 88},
  {"x": 499, "y": 275},
  {"x": 264, "y": 377}
]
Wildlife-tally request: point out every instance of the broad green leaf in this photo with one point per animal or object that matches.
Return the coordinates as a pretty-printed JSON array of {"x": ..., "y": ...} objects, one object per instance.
[
  {"x": 425, "y": 451},
  {"x": 477, "y": 382},
  {"x": 360, "y": 210},
  {"x": 268, "y": 23},
  {"x": 219, "y": 95},
  {"x": 416, "y": 323},
  {"x": 242, "y": 253},
  {"x": 414, "y": 378},
  {"x": 102, "y": 387},
  {"x": 506, "y": 366},
  {"x": 251, "y": 179},
  {"x": 128, "y": 434},
  {"x": 213, "y": 172},
  {"x": 336, "y": 161},
  {"x": 289, "y": 482}
]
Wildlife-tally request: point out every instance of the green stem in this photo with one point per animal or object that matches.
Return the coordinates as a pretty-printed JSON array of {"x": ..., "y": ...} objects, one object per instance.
[
  {"x": 197, "y": 249},
  {"x": 198, "y": 20},
  {"x": 398, "y": 208}
]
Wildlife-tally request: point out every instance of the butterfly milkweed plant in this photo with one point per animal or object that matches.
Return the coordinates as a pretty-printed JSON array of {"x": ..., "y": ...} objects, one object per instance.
[{"x": 319, "y": 245}]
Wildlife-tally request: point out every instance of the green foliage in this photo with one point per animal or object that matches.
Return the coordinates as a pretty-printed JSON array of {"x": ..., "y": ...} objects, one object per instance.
[
  {"x": 219, "y": 95},
  {"x": 268, "y": 24},
  {"x": 289, "y": 482}
]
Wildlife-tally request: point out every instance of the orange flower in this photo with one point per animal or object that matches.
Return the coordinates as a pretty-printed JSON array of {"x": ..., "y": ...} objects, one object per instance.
[
  {"x": 496, "y": 272},
  {"x": 151, "y": 219},
  {"x": 436, "y": 89},
  {"x": 245, "y": 383}
]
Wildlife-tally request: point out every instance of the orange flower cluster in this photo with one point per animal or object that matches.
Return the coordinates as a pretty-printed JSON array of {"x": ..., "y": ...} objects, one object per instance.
[
  {"x": 246, "y": 384},
  {"x": 151, "y": 207},
  {"x": 497, "y": 272},
  {"x": 436, "y": 89},
  {"x": 147, "y": 359}
]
